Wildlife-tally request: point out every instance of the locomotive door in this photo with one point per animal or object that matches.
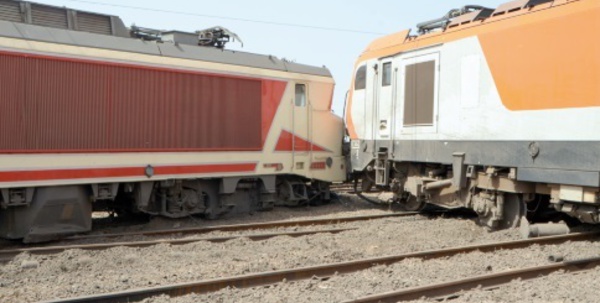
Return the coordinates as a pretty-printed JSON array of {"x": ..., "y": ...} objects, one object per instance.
[{"x": 301, "y": 139}]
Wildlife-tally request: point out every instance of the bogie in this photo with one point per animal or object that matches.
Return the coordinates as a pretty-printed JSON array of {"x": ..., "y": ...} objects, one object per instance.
[
  {"x": 56, "y": 212},
  {"x": 492, "y": 194}
]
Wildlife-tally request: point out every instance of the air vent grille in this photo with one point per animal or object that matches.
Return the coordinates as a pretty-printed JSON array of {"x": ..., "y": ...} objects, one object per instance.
[
  {"x": 49, "y": 16},
  {"x": 10, "y": 11},
  {"x": 93, "y": 23}
]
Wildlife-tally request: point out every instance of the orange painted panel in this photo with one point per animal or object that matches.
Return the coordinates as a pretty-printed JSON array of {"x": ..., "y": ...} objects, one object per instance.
[
  {"x": 388, "y": 41},
  {"x": 547, "y": 61}
]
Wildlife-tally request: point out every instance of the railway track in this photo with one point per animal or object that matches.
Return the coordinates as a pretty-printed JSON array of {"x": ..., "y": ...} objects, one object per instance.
[
  {"x": 7, "y": 255},
  {"x": 242, "y": 227},
  {"x": 328, "y": 270},
  {"x": 342, "y": 188},
  {"x": 452, "y": 288}
]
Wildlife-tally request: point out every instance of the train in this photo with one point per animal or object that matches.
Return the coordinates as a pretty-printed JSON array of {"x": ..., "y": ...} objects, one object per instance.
[
  {"x": 98, "y": 116},
  {"x": 495, "y": 110}
]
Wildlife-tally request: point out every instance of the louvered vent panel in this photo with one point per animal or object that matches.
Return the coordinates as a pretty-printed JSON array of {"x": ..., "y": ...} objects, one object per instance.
[
  {"x": 10, "y": 11},
  {"x": 49, "y": 16},
  {"x": 93, "y": 23}
]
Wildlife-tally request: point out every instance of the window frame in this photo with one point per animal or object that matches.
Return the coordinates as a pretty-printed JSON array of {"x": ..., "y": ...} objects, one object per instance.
[
  {"x": 304, "y": 100},
  {"x": 386, "y": 74},
  {"x": 423, "y": 80},
  {"x": 403, "y": 60},
  {"x": 360, "y": 78}
]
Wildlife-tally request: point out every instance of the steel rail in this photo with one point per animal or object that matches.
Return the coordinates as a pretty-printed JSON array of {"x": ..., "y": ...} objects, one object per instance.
[
  {"x": 345, "y": 191},
  {"x": 242, "y": 227},
  {"x": 7, "y": 255},
  {"x": 327, "y": 270},
  {"x": 454, "y": 288},
  {"x": 345, "y": 188}
]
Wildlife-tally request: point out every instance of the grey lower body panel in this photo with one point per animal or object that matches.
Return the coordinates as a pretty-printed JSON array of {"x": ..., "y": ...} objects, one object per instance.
[
  {"x": 557, "y": 176},
  {"x": 559, "y": 162},
  {"x": 54, "y": 213}
]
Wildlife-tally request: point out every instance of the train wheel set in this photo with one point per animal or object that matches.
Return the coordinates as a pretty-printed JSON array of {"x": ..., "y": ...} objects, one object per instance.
[{"x": 98, "y": 116}]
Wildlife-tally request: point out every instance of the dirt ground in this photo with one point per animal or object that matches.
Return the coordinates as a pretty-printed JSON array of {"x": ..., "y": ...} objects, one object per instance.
[{"x": 31, "y": 278}]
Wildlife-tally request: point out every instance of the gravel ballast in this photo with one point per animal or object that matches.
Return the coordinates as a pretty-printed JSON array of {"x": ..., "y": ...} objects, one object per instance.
[{"x": 30, "y": 278}]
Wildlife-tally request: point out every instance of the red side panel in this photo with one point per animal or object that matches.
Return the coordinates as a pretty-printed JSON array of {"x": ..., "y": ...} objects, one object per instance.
[
  {"x": 289, "y": 142},
  {"x": 52, "y": 104},
  {"x": 120, "y": 172},
  {"x": 271, "y": 99}
]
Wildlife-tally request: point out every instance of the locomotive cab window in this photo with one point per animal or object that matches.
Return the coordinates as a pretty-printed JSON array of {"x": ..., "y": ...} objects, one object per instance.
[
  {"x": 300, "y": 95},
  {"x": 386, "y": 78},
  {"x": 360, "y": 81}
]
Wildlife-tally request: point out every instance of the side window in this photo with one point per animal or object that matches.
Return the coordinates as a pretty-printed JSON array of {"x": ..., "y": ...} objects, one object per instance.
[
  {"x": 360, "y": 81},
  {"x": 386, "y": 79},
  {"x": 300, "y": 95},
  {"x": 419, "y": 94}
]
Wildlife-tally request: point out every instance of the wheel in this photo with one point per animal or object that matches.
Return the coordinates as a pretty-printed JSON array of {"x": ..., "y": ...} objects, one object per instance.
[
  {"x": 411, "y": 203},
  {"x": 513, "y": 210}
]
